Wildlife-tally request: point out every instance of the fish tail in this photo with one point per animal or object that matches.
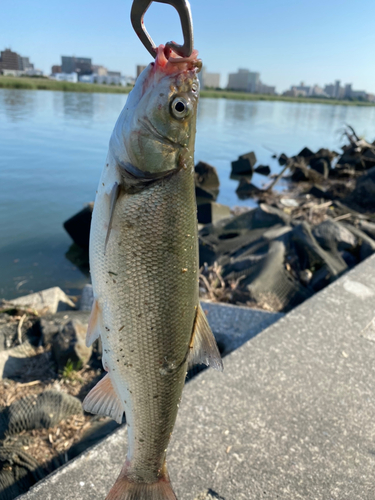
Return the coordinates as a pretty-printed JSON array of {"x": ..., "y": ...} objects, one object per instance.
[{"x": 124, "y": 489}]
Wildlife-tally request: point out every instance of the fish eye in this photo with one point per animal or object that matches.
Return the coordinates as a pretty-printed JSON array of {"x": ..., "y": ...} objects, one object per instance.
[{"x": 179, "y": 107}]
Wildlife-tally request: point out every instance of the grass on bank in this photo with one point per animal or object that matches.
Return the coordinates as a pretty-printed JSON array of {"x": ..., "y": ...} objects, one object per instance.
[{"x": 11, "y": 82}]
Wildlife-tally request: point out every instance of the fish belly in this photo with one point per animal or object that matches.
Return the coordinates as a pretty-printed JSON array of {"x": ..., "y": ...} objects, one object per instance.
[{"x": 146, "y": 284}]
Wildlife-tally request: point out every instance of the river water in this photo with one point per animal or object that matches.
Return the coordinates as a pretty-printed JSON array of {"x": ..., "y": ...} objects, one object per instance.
[{"x": 53, "y": 146}]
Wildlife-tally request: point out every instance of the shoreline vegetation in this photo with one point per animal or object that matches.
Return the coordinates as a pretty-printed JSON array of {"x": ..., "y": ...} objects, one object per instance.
[{"x": 24, "y": 83}]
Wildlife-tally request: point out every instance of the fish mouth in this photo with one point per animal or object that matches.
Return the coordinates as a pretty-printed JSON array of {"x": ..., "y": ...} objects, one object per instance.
[{"x": 147, "y": 124}]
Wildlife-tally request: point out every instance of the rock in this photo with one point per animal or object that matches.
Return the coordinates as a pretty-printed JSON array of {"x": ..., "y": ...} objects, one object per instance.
[
  {"x": 368, "y": 158},
  {"x": 353, "y": 158},
  {"x": 16, "y": 361},
  {"x": 283, "y": 158},
  {"x": 242, "y": 166},
  {"x": 367, "y": 227},
  {"x": 366, "y": 244},
  {"x": 263, "y": 170},
  {"x": 333, "y": 235},
  {"x": 207, "y": 254},
  {"x": 247, "y": 190},
  {"x": 318, "y": 192},
  {"x": 70, "y": 344},
  {"x": 212, "y": 212},
  {"x": 50, "y": 300},
  {"x": 206, "y": 176},
  {"x": 79, "y": 257},
  {"x": 78, "y": 226},
  {"x": 250, "y": 157},
  {"x": 303, "y": 174},
  {"x": 363, "y": 194},
  {"x": 345, "y": 170},
  {"x": 306, "y": 153},
  {"x": 50, "y": 324},
  {"x": 321, "y": 166},
  {"x": 326, "y": 154},
  {"x": 305, "y": 276},
  {"x": 87, "y": 298},
  {"x": 203, "y": 196},
  {"x": 9, "y": 330}
]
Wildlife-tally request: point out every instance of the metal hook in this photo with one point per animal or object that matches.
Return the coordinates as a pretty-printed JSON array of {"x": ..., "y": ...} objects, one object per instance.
[{"x": 138, "y": 11}]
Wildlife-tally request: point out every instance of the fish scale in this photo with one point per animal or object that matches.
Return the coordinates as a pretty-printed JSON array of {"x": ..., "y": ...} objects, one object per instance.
[{"x": 155, "y": 300}]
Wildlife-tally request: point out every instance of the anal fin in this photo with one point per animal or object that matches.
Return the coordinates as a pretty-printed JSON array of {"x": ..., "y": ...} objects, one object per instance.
[
  {"x": 203, "y": 344},
  {"x": 103, "y": 400},
  {"x": 93, "y": 330}
]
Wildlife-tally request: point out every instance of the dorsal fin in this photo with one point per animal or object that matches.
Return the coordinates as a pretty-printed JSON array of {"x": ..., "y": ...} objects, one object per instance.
[
  {"x": 103, "y": 400},
  {"x": 203, "y": 344}
]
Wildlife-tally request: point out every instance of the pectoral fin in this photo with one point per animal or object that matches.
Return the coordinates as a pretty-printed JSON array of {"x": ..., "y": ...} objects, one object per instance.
[
  {"x": 103, "y": 400},
  {"x": 112, "y": 203},
  {"x": 203, "y": 344},
  {"x": 93, "y": 330}
]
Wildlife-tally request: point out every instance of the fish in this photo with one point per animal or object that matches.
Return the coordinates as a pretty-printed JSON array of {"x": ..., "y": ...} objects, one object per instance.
[{"x": 144, "y": 267}]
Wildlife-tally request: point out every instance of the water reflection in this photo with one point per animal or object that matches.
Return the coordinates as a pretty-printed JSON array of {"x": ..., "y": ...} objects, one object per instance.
[
  {"x": 241, "y": 110},
  {"x": 78, "y": 106},
  {"x": 17, "y": 105}
]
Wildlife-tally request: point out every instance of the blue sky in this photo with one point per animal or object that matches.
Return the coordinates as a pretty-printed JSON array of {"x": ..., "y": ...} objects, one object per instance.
[{"x": 286, "y": 41}]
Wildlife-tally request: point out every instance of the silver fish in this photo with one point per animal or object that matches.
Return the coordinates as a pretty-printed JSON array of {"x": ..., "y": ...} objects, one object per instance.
[{"x": 144, "y": 269}]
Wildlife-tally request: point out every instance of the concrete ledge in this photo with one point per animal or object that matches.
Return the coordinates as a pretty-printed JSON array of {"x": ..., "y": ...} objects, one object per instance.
[{"x": 290, "y": 418}]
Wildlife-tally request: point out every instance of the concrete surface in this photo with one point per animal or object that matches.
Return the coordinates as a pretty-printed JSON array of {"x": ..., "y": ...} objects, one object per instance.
[{"x": 291, "y": 417}]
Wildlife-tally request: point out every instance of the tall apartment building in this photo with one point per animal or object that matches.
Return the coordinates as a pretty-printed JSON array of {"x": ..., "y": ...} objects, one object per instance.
[
  {"x": 210, "y": 80},
  {"x": 248, "y": 81},
  {"x": 79, "y": 65},
  {"x": 10, "y": 60},
  {"x": 243, "y": 80}
]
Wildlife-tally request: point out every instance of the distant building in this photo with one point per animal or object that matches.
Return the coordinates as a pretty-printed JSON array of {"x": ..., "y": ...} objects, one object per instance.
[
  {"x": 65, "y": 77},
  {"x": 248, "y": 81},
  {"x": 359, "y": 94},
  {"x": 25, "y": 64},
  {"x": 56, "y": 69},
  {"x": 317, "y": 91},
  {"x": 244, "y": 80},
  {"x": 265, "y": 89},
  {"x": 208, "y": 80},
  {"x": 294, "y": 92},
  {"x": 140, "y": 68},
  {"x": 112, "y": 78},
  {"x": 72, "y": 64},
  {"x": 99, "y": 70},
  {"x": 13, "y": 64},
  {"x": 10, "y": 60},
  {"x": 303, "y": 90}
]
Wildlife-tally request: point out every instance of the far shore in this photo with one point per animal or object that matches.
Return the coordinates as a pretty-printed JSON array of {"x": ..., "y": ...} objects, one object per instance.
[{"x": 24, "y": 83}]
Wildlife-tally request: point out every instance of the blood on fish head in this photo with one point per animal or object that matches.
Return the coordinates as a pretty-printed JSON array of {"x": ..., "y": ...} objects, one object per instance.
[{"x": 157, "y": 126}]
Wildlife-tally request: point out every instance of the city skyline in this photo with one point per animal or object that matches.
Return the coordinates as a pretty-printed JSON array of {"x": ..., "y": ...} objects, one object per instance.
[
  {"x": 286, "y": 43},
  {"x": 235, "y": 81}
]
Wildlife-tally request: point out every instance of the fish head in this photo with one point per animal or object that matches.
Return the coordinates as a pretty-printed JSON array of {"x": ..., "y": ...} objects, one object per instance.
[{"x": 158, "y": 128}]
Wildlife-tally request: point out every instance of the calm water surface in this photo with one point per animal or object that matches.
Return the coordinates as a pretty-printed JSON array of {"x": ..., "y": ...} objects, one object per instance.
[{"x": 53, "y": 146}]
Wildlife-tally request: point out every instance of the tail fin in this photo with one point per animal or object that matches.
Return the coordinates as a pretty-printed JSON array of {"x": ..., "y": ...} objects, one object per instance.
[{"x": 123, "y": 489}]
